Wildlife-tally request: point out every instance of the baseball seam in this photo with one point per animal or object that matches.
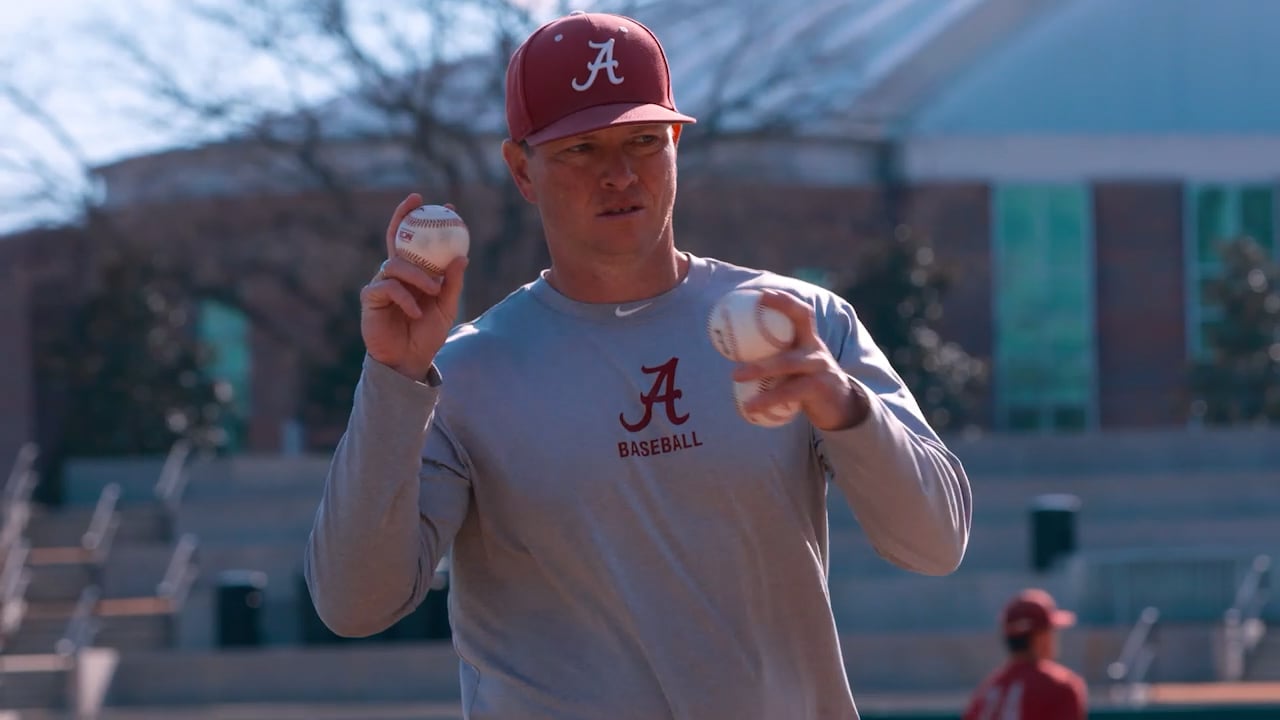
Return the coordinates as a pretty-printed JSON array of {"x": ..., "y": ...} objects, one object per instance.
[
  {"x": 763, "y": 328},
  {"x": 421, "y": 261},
  {"x": 726, "y": 334},
  {"x": 433, "y": 222},
  {"x": 774, "y": 413},
  {"x": 761, "y": 385}
]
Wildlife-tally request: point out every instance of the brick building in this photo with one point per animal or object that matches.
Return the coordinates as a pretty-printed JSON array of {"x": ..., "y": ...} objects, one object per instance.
[{"x": 1074, "y": 160}]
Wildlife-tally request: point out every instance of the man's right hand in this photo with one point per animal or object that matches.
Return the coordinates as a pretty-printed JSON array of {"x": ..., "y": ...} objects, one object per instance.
[{"x": 406, "y": 313}]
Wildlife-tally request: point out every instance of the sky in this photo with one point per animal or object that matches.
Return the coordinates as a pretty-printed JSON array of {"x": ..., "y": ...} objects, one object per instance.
[
  {"x": 65, "y": 57},
  {"x": 52, "y": 52}
]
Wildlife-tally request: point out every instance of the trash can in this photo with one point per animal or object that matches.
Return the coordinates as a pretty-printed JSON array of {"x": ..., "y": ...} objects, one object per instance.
[
  {"x": 241, "y": 595},
  {"x": 1053, "y": 529}
]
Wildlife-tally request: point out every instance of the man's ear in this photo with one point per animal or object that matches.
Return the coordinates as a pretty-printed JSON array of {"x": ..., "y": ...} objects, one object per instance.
[
  {"x": 517, "y": 159},
  {"x": 675, "y": 132}
]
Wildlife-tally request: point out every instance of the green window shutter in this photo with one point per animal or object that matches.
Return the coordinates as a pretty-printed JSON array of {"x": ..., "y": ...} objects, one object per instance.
[
  {"x": 1256, "y": 215},
  {"x": 1044, "y": 307}
]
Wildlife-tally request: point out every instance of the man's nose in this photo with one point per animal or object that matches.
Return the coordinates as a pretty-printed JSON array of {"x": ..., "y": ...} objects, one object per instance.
[{"x": 617, "y": 173}]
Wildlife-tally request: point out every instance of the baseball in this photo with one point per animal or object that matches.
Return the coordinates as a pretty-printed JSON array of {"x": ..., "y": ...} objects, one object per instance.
[
  {"x": 431, "y": 237},
  {"x": 745, "y": 331},
  {"x": 772, "y": 417}
]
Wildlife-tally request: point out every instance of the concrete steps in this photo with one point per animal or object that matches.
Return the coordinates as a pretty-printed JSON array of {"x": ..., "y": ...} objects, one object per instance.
[
  {"x": 40, "y": 686},
  {"x": 400, "y": 673},
  {"x": 372, "y": 710},
  {"x": 63, "y": 527},
  {"x": 1007, "y": 546},
  {"x": 60, "y": 583},
  {"x": 1264, "y": 664},
  {"x": 948, "y": 660},
  {"x": 249, "y": 519},
  {"x": 1112, "y": 497},
  {"x": 141, "y": 624},
  {"x": 412, "y": 673},
  {"x": 1121, "y": 451},
  {"x": 33, "y": 681},
  {"x": 235, "y": 477}
]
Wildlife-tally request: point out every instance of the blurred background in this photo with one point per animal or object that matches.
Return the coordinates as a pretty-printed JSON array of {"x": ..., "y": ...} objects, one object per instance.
[{"x": 1058, "y": 217}]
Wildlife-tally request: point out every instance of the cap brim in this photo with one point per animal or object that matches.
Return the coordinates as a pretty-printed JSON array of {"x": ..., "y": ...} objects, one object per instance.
[
  {"x": 1063, "y": 618},
  {"x": 603, "y": 116}
]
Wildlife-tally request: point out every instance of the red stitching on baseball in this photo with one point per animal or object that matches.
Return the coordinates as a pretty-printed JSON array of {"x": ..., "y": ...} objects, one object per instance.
[
  {"x": 421, "y": 262},
  {"x": 763, "y": 328},
  {"x": 779, "y": 414},
  {"x": 725, "y": 334},
  {"x": 433, "y": 222}
]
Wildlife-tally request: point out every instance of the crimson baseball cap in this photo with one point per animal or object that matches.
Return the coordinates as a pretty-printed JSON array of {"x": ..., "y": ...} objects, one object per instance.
[
  {"x": 587, "y": 71},
  {"x": 1032, "y": 611}
]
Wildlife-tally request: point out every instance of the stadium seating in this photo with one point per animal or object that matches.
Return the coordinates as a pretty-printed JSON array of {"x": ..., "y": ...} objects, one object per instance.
[{"x": 1157, "y": 513}]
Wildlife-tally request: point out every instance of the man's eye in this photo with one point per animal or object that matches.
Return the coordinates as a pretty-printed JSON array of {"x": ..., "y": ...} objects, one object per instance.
[
  {"x": 580, "y": 148},
  {"x": 645, "y": 139}
]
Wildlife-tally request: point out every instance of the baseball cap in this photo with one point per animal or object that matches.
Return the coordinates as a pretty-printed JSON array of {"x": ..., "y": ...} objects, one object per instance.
[
  {"x": 1034, "y": 610},
  {"x": 587, "y": 71}
]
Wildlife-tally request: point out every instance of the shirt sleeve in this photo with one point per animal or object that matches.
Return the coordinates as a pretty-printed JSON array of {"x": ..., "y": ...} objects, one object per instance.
[
  {"x": 975, "y": 705},
  {"x": 909, "y": 493},
  {"x": 396, "y": 493},
  {"x": 1066, "y": 701}
]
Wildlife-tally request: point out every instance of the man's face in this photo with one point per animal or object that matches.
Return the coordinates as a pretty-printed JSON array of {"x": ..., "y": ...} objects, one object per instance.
[
  {"x": 1045, "y": 644},
  {"x": 603, "y": 195}
]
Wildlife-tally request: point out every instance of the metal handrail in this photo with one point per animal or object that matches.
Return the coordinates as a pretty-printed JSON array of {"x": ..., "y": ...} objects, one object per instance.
[
  {"x": 1129, "y": 671},
  {"x": 97, "y": 539},
  {"x": 13, "y": 523},
  {"x": 14, "y": 579},
  {"x": 173, "y": 476},
  {"x": 83, "y": 625},
  {"x": 1242, "y": 625},
  {"x": 15, "y": 509},
  {"x": 15, "y": 562},
  {"x": 181, "y": 573},
  {"x": 22, "y": 477}
]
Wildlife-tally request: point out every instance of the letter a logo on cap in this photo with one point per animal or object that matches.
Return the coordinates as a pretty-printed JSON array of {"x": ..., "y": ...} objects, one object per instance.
[{"x": 604, "y": 61}]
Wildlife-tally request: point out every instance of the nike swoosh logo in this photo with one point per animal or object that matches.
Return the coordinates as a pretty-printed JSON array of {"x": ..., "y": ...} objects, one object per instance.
[{"x": 623, "y": 313}]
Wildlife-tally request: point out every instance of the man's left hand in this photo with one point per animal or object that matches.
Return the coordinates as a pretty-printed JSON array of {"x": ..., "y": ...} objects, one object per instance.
[{"x": 808, "y": 373}]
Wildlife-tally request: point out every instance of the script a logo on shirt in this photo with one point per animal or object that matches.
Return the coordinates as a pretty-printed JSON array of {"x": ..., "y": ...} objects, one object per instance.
[{"x": 663, "y": 392}]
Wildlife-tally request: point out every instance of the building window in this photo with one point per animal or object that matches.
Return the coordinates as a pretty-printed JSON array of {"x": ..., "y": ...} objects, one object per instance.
[
  {"x": 1220, "y": 212},
  {"x": 226, "y": 331},
  {"x": 1044, "y": 308}
]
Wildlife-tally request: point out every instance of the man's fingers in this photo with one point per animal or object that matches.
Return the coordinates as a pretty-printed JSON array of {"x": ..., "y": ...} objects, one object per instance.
[
  {"x": 451, "y": 295},
  {"x": 405, "y": 207},
  {"x": 385, "y": 293},
  {"x": 412, "y": 275},
  {"x": 798, "y": 312},
  {"x": 795, "y": 362},
  {"x": 784, "y": 390}
]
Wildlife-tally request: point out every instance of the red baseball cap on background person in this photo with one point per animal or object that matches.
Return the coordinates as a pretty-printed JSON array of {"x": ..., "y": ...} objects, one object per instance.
[
  {"x": 1032, "y": 611},
  {"x": 587, "y": 71}
]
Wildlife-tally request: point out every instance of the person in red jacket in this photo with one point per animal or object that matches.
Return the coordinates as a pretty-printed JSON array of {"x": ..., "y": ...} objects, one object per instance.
[{"x": 1031, "y": 685}]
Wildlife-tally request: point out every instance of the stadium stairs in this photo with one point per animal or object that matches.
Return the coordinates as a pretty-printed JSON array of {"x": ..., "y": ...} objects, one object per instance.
[{"x": 1171, "y": 520}]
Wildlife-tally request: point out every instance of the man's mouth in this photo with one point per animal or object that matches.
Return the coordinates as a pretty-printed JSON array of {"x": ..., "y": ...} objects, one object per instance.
[{"x": 620, "y": 210}]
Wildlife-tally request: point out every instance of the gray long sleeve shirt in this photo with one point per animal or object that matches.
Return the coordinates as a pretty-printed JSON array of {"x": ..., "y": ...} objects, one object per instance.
[{"x": 624, "y": 545}]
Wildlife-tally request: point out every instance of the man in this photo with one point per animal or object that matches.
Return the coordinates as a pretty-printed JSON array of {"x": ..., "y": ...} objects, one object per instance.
[
  {"x": 623, "y": 544},
  {"x": 1031, "y": 685}
]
